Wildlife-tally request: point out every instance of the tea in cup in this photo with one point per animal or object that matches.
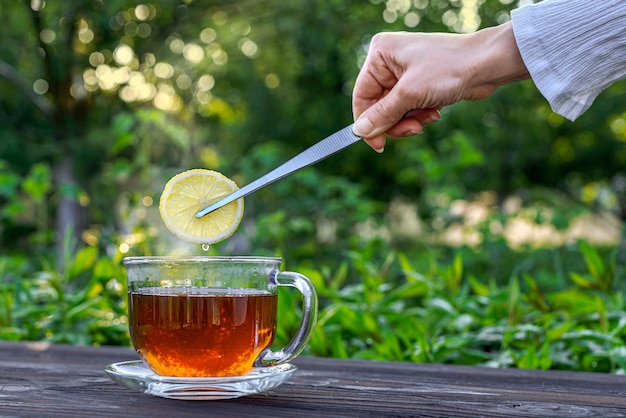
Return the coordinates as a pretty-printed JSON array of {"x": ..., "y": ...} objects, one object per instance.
[{"x": 211, "y": 316}]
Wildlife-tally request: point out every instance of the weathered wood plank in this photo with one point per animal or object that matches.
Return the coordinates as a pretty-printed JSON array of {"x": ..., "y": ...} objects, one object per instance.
[{"x": 53, "y": 381}]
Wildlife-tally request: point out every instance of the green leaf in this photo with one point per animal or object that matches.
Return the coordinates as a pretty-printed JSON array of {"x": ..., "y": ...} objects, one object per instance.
[
  {"x": 618, "y": 355},
  {"x": 8, "y": 184},
  {"x": 583, "y": 282},
  {"x": 316, "y": 278},
  {"x": 513, "y": 300},
  {"x": 535, "y": 297},
  {"x": 405, "y": 264},
  {"x": 338, "y": 346},
  {"x": 407, "y": 291},
  {"x": 574, "y": 301},
  {"x": 593, "y": 261},
  {"x": 478, "y": 287},
  {"x": 38, "y": 182},
  {"x": 83, "y": 261},
  {"x": 442, "y": 304},
  {"x": 122, "y": 142},
  {"x": 82, "y": 309},
  {"x": 556, "y": 333},
  {"x": 105, "y": 269},
  {"x": 528, "y": 359},
  {"x": 544, "y": 361}
]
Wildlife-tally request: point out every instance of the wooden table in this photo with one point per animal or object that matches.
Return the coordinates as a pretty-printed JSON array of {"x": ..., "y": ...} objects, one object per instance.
[{"x": 42, "y": 380}]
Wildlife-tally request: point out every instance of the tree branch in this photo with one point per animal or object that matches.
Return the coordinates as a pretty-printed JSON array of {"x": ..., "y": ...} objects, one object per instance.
[{"x": 41, "y": 102}]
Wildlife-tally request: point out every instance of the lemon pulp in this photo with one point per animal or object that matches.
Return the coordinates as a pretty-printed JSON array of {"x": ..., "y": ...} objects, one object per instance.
[{"x": 190, "y": 191}]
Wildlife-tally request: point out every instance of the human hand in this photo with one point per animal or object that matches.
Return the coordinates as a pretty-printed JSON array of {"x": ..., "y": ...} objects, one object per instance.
[{"x": 408, "y": 77}]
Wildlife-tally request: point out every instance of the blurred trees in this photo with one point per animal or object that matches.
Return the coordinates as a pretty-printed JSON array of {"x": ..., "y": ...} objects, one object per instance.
[{"x": 102, "y": 101}]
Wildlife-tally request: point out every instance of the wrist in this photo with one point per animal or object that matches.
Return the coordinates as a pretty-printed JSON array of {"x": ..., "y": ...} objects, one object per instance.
[{"x": 497, "y": 59}]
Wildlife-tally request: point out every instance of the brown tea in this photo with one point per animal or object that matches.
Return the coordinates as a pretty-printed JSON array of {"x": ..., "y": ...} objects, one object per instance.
[{"x": 212, "y": 332}]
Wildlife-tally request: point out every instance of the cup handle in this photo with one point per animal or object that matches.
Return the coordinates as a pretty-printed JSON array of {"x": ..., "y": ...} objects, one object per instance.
[{"x": 309, "y": 317}]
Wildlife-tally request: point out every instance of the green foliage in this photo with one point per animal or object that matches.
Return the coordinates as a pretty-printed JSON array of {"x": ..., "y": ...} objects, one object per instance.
[
  {"x": 443, "y": 314},
  {"x": 24, "y": 207},
  {"x": 81, "y": 302},
  {"x": 130, "y": 94},
  {"x": 427, "y": 304},
  {"x": 138, "y": 92}
]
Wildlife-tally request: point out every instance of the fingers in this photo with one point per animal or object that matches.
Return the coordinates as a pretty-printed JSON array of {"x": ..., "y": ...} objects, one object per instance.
[
  {"x": 377, "y": 143},
  {"x": 424, "y": 116},
  {"x": 405, "y": 127},
  {"x": 388, "y": 116},
  {"x": 380, "y": 116},
  {"x": 384, "y": 94},
  {"x": 411, "y": 124}
]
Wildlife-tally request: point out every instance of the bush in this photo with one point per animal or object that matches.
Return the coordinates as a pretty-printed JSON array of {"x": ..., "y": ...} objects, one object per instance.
[
  {"x": 82, "y": 300},
  {"x": 558, "y": 308},
  {"x": 442, "y": 313}
]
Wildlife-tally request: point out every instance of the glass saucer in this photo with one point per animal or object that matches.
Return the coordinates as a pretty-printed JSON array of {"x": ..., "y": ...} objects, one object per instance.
[{"x": 135, "y": 375}]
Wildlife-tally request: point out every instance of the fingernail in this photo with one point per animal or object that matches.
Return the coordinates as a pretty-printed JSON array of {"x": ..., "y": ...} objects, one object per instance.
[
  {"x": 433, "y": 118},
  {"x": 379, "y": 150},
  {"x": 363, "y": 127}
]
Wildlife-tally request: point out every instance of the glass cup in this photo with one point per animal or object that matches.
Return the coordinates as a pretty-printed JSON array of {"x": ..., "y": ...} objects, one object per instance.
[{"x": 212, "y": 316}]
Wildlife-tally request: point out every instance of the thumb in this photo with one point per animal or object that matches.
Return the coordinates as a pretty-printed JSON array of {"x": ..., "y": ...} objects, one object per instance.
[{"x": 379, "y": 117}]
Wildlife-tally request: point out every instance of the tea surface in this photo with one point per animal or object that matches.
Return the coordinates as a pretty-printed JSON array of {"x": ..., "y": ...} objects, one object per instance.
[{"x": 213, "y": 332}]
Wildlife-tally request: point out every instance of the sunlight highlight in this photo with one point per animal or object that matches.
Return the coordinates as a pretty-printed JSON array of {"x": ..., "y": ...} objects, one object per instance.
[
  {"x": 123, "y": 54},
  {"x": 193, "y": 53}
]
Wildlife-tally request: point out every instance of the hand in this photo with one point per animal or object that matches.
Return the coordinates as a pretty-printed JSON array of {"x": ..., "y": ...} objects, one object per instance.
[{"x": 408, "y": 77}]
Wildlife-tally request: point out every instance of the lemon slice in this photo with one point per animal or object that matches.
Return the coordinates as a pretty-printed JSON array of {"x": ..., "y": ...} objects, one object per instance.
[{"x": 187, "y": 193}]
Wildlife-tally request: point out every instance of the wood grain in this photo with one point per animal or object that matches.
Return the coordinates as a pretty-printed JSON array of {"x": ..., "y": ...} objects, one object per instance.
[{"x": 41, "y": 380}]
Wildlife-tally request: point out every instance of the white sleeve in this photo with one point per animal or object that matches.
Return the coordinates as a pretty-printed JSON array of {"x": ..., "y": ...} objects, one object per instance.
[{"x": 573, "y": 49}]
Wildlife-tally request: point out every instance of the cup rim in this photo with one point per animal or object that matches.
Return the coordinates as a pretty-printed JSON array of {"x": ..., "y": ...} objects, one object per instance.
[{"x": 158, "y": 259}]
